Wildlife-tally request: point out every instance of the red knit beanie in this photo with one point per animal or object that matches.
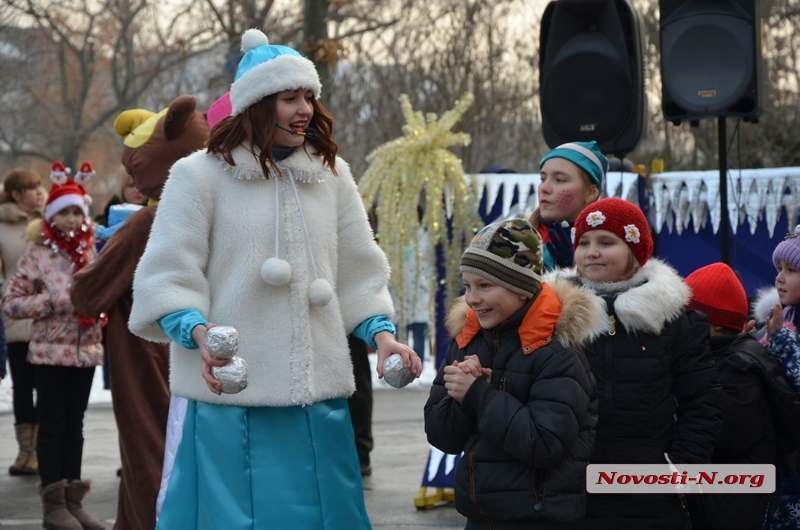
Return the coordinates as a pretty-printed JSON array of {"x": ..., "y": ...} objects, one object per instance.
[
  {"x": 717, "y": 292},
  {"x": 619, "y": 217}
]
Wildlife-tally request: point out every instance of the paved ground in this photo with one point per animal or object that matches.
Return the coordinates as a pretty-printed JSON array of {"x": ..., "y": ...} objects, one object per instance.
[{"x": 398, "y": 462}]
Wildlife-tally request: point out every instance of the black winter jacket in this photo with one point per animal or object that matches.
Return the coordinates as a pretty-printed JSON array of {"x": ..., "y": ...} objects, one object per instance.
[
  {"x": 528, "y": 434},
  {"x": 657, "y": 392},
  {"x": 757, "y": 399}
]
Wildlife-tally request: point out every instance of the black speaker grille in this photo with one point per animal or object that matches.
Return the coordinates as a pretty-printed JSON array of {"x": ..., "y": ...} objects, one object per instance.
[
  {"x": 706, "y": 65},
  {"x": 592, "y": 97}
]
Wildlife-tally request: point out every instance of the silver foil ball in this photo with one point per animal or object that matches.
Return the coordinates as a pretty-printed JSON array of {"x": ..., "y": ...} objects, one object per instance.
[
  {"x": 222, "y": 341},
  {"x": 233, "y": 376},
  {"x": 394, "y": 373}
]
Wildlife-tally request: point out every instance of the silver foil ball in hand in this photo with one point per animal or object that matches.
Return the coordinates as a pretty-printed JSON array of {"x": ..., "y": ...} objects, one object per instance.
[
  {"x": 394, "y": 373},
  {"x": 223, "y": 342},
  {"x": 233, "y": 376}
]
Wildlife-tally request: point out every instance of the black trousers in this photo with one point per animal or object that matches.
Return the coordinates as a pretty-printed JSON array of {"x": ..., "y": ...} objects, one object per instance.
[
  {"x": 360, "y": 402},
  {"x": 24, "y": 383},
  {"x": 63, "y": 397}
]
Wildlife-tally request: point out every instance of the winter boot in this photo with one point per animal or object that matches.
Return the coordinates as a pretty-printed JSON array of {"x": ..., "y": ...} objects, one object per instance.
[
  {"x": 54, "y": 508},
  {"x": 74, "y": 494},
  {"x": 21, "y": 464},
  {"x": 32, "y": 468}
]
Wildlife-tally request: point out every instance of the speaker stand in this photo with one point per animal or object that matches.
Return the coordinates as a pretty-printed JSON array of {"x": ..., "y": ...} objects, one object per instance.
[{"x": 724, "y": 222}]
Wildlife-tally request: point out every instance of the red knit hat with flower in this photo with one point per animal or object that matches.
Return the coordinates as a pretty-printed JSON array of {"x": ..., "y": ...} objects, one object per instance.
[
  {"x": 619, "y": 217},
  {"x": 66, "y": 192},
  {"x": 717, "y": 292}
]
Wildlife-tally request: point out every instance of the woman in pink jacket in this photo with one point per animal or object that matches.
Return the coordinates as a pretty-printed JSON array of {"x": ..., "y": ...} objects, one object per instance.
[{"x": 64, "y": 347}]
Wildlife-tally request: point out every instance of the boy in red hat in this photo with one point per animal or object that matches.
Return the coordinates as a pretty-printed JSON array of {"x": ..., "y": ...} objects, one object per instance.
[
  {"x": 752, "y": 429},
  {"x": 65, "y": 347}
]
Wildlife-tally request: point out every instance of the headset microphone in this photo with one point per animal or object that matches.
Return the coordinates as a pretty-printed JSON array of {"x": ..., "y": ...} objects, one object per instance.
[{"x": 309, "y": 133}]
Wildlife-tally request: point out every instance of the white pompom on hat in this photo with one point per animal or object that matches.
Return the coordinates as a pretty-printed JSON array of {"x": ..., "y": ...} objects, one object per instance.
[{"x": 268, "y": 69}]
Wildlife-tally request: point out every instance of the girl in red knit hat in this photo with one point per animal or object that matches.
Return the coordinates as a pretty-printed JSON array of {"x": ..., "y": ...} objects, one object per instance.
[
  {"x": 659, "y": 400},
  {"x": 64, "y": 348}
]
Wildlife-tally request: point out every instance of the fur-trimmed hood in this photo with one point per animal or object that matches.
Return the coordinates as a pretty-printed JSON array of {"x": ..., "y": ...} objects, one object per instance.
[
  {"x": 33, "y": 232},
  {"x": 645, "y": 303},
  {"x": 766, "y": 298},
  {"x": 581, "y": 320},
  {"x": 11, "y": 213}
]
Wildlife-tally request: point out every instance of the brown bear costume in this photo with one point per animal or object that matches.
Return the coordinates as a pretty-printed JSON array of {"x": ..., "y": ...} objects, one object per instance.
[{"x": 139, "y": 369}]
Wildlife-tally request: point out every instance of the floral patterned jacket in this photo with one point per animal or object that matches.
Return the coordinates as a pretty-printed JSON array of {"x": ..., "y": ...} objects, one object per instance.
[
  {"x": 40, "y": 290},
  {"x": 784, "y": 345}
]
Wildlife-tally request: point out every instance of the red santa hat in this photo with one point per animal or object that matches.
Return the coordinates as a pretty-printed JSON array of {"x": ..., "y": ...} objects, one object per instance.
[{"x": 65, "y": 192}]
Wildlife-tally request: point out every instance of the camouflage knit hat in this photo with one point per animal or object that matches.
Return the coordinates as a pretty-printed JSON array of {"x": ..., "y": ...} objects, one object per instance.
[{"x": 507, "y": 253}]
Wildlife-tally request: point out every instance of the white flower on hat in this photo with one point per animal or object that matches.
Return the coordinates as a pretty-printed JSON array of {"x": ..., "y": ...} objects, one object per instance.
[
  {"x": 595, "y": 219},
  {"x": 572, "y": 233},
  {"x": 631, "y": 233}
]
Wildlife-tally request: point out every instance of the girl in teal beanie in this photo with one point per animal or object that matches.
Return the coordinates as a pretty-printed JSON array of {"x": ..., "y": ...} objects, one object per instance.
[{"x": 572, "y": 177}]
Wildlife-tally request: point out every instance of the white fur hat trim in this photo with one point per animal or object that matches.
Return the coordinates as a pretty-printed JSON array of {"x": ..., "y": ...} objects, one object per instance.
[
  {"x": 285, "y": 72},
  {"x": 65, "y": 201}
]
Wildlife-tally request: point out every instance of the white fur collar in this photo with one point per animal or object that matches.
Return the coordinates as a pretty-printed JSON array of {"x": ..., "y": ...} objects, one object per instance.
[
  {"x": 766, "y": 299},
  {"x": 654, "y": 296},
  {"x": 11, "y": 213},
  {"x": 303, "y": 166}
]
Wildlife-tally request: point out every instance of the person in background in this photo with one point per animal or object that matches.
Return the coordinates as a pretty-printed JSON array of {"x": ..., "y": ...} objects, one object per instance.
[
  {"x": 126, "y": 193},
  {"x": 3, "y": 348},
  {"x": 21, "y": 201},
  {"x": 419, "y": 267},
  {"x": 572, "y": 176},
  {"x": 515, "y": 392},
  {"x": 139, "y": 369},
  {"x": 65, "y": 347},
  {"x": 265, "y": 231},
  {"x": 753, "y": 428},
  {"x": 782, "y": 341},
  {"x": 659, "y": 400}
]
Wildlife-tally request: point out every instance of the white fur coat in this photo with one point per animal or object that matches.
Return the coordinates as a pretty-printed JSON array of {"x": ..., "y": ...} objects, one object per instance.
[{"x": 214, "y": 228}]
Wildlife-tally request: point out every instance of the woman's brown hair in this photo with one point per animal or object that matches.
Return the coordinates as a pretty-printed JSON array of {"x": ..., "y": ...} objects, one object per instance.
[
  {"x": 20, "y": 180},
  {"x": 256, "y": 126}
]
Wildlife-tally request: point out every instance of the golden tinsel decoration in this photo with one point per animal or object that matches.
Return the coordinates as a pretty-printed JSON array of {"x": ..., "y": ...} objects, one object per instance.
[{"x": 419, "y": 164}]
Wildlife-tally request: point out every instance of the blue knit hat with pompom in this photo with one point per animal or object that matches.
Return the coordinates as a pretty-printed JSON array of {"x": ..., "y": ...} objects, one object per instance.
[{"x": 267, "y": 69}]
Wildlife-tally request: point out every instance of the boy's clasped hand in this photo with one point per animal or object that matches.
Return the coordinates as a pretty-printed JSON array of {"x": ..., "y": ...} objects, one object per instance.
[{"x": 459, "y": 376}]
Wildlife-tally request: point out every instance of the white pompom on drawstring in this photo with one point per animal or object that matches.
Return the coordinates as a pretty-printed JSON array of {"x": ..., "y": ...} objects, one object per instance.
[
  {"x": 276, "y": 271},
  {"x": 320, "y": 293},
  {"x": 253, "y": 38}
]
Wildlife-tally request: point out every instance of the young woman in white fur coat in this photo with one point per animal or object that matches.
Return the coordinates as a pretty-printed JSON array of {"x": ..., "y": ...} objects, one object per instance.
[
  {"x": 265, "y": 231},
  {"x": 656, "y": 380}
]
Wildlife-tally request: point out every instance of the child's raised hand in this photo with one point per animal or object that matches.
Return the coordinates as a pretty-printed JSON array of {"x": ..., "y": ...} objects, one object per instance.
[
  {"x": 208, "y": 360},
  {"x": 775, "y": 320},
  {"x": 749, "y": 327}
]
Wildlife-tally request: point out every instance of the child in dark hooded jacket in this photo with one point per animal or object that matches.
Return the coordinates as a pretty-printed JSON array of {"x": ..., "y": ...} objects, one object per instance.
[
  {"x": 515, "y": 393},
  {"x": 761, "y": 413},
  {"x": 658, "y": 397}
]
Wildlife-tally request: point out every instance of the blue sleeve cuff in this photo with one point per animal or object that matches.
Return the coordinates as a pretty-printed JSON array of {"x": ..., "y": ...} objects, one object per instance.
[
  {"x": 178, "y": 326},
  {"x": 367, "y": 330}
]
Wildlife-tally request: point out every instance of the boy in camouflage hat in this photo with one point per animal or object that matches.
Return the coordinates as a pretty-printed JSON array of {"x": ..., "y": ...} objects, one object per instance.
[{"x": 515, "y": 392}]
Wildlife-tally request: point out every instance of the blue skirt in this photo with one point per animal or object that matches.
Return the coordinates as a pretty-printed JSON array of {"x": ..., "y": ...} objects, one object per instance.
[{"x": 264, "y": 468}]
